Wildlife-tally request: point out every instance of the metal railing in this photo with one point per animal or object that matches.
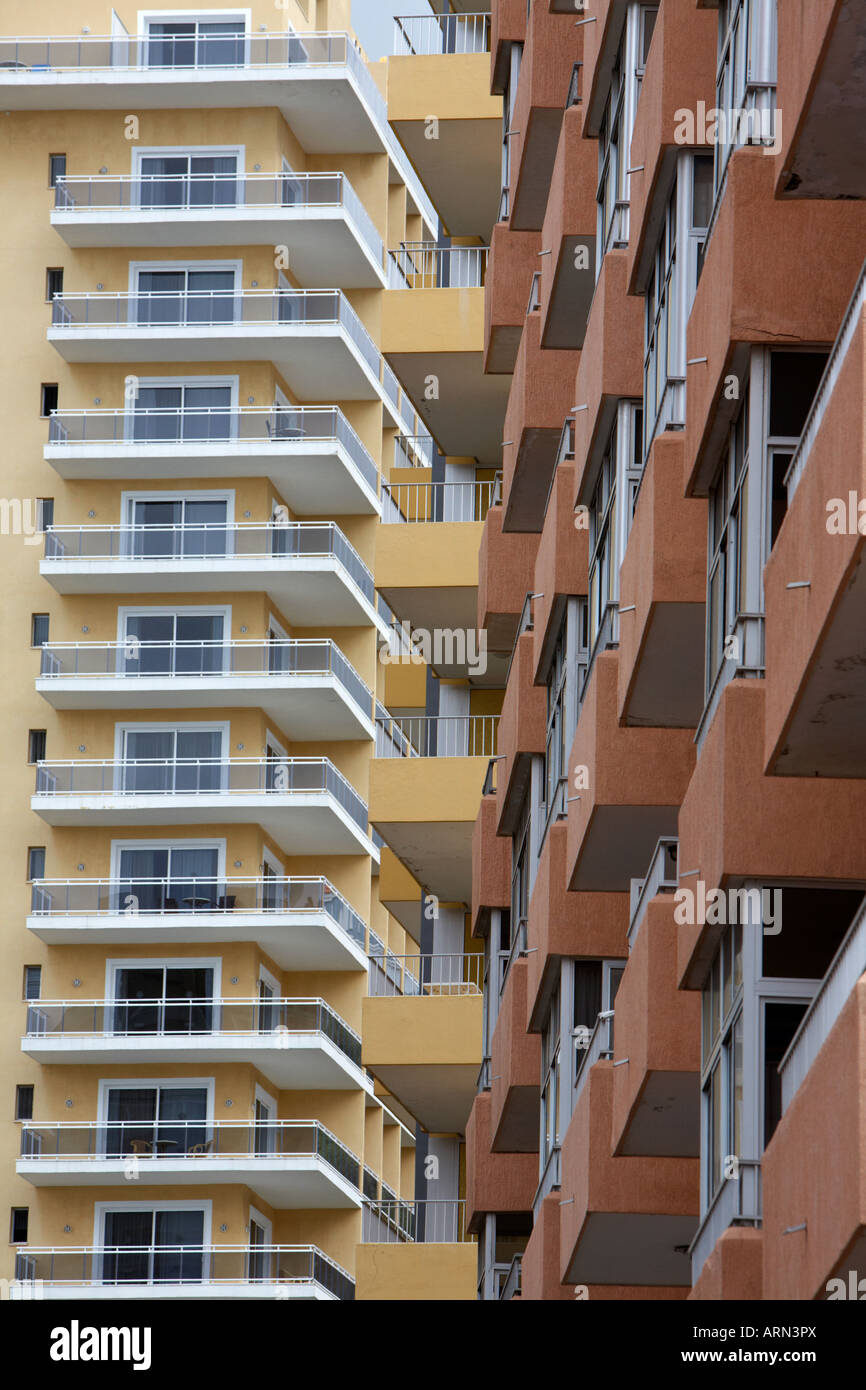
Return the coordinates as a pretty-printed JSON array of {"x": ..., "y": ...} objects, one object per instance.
[
  {"x": 276, "y": 539},
  {"x": 413, "y": 451},
  {"x": 738, "y": 1201},
  {"x": 105, "y": 1266},
  {"x": 845, "y": 969},
  {"x": 599, "y": 1046},
  {"x": 270, "y": 426},
  {"x": 136, "y": 660},
  {"x": 430, "y": 1222},
  {"x": 186, "y": 1141},
  {"x": 181, "y": 896},
  {"x": 108, "y": 1019},
  {"x": 428, "y": 35},
  {"x": 423, "y": 265},
  {"x": 661, "y": 877},
  {"x": 512, "y": 1281},
  {"x": 200, "y": 777},
  {"x": 230, "y": 190},
  {"x": 435, "y": 502},
  {"x": 237, "y": 308},
  {"x": 437, "y": 736},
  {"x": 426, "y": 976}
]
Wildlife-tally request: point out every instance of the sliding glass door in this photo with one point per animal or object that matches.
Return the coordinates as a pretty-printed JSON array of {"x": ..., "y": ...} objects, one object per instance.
[
  {"x": 138, "y": 1247},
  {"x": 182, "y": 528},
  {"x": 182, "y": 414},
  {"x": 171, "y": 760},
  {"x": 175, "y": 644},
  {"x": 159, "y": 999},
  {"x": 188, "y": 180},
  {"x": 186, "y": 879}
]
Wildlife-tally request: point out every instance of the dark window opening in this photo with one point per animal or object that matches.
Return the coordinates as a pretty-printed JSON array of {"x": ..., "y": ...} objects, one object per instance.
[
  {"x": 56, "y": 168},
  {"x": 48, "y": 398},
  {"x": 38, "y": 629},
  {"x": 18, "y": 1225},
  {"x": 24, "y": 1102},
  {"x": 35, "y": 862},
  {"x": 36, "y": 741}
]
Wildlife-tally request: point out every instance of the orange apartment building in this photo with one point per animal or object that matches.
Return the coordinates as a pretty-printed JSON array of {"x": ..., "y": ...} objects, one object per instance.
[{"x": 669, "y": 864}]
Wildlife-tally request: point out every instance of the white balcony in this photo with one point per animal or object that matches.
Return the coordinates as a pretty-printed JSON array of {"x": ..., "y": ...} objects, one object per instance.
[
  {"x": 82, "y": 1272},
  {"x": 311, "y": 454},
  {"x": 319, "y": 81},
  {"x": 330, "y": 236},
  {"x": 422, "y": 265},
  {"x": 298, "y": 1044},
  {"x": 312, "y": 337},
  {"x": 431, "y": 35},
  {"x": 308, "y": 567},
  {"x": 302, "y": 924},
  {"x": 307, "y": 687},
  {"x": 304, "y": 804},
  {"x": 290, "y": 1163}
]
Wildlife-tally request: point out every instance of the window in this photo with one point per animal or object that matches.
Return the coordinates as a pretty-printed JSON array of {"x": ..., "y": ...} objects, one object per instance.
[
  {"x": 184, "y": 411},
  {"x": 165, "y": 878},
  {"x": 39, "y": 629},
  {"x": 177, "y": 644},
  {"x": 619, "y": 477},
  {"x": 748, "y": 500},
  {"x": 745, "y": 78},
  {"x": 671, "y": 288},
  {"x": 551, "y": 1079},
  {"x": 520, "y": 875},
  {"x": 195, "y": 43},
  {"x": 147, "y": 1246},
  {"x": 722, "y": 1061},
  {"x": 182, "y": 527},
  {"x": 171, "y": 760},
  {"x": 163, "y": 998},
  {"x": 556, "y": 745},
  {"x": 53, "y": 282},
  {"x": 156, "y": 1119},
  {"x": 508, "y": 104},
  {"x": 18, "y": 1224},
  {"x": 32, "y": 981},
  {"x": 35, "y": 862},
  {"x": 48, "y": 398},
  {"x": 36, "y": 745},
  {"x": 182, "y": 295},
  {"x": 178, "y": 180},
  {"x": 24, "y": 1102},
  {"x": 616, "y": 129},
  {"x": 56, "y": 169},
  {"x": 44, "y": 513}
]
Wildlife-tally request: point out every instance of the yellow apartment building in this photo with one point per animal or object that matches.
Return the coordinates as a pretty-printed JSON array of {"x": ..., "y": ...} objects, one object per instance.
[{"x": 250, "y": 448}]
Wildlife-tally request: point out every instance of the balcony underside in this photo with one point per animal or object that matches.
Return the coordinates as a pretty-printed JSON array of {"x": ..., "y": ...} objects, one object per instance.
[
  {"x": 306, "y": 355},
  {"x": 313, "y": 479},
  {"x": 467, "y": 416},
  {"x": 307, "y": 708},
  {"x": 632, "y": 1248},
  {"x": 666, "y": 1118},
  {"x": 619, "y": 843},
  {"x": 291, "y": 1061},
  {"x": 296, "y": 941},
  {"x": 667, "y": 688},
  {"x": 536, "y": 168},
  {"x": 297, "y": 1183},
  {"x": 298, "y": 823},
  {"x": 323, "y": 248},
  {"x": 310, "y": 590},
  {"x": 320, "y": 103},
  {"x": 828, "y": 157}
]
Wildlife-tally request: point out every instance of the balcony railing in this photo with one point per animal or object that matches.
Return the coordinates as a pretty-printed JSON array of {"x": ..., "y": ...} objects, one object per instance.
[
  {"x": 437, "y": 736},
  {"x": 413, "y": 451},
  {"x": 235, "y": 545},
  {"x": 226, "y": 191},
  {"x": 435, "y": 502},
  {"x": 107, "y": 309},
  {"x": 176, "y": 897},
  {"x": 137, "y": 660},
  {"x": 511, "y": 1283},
  {"x": 428, "y": 35},
  {"x": 185, "y": 1018},
  {"x": 422, "y": 265},
  {"x": 168, "y": 1265},
  {"x": 441, "y": 1222},
  {"x": 200, "y": 777},
  {"x": 270, "y": 426},
  {"x": 191, "y": 1142},
  {"x": 599, "y": 1046},
  {"x": 661, "y": 877},
  {"x": 426, "y": 976},
  {"x": 738, "y": 1201}
]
